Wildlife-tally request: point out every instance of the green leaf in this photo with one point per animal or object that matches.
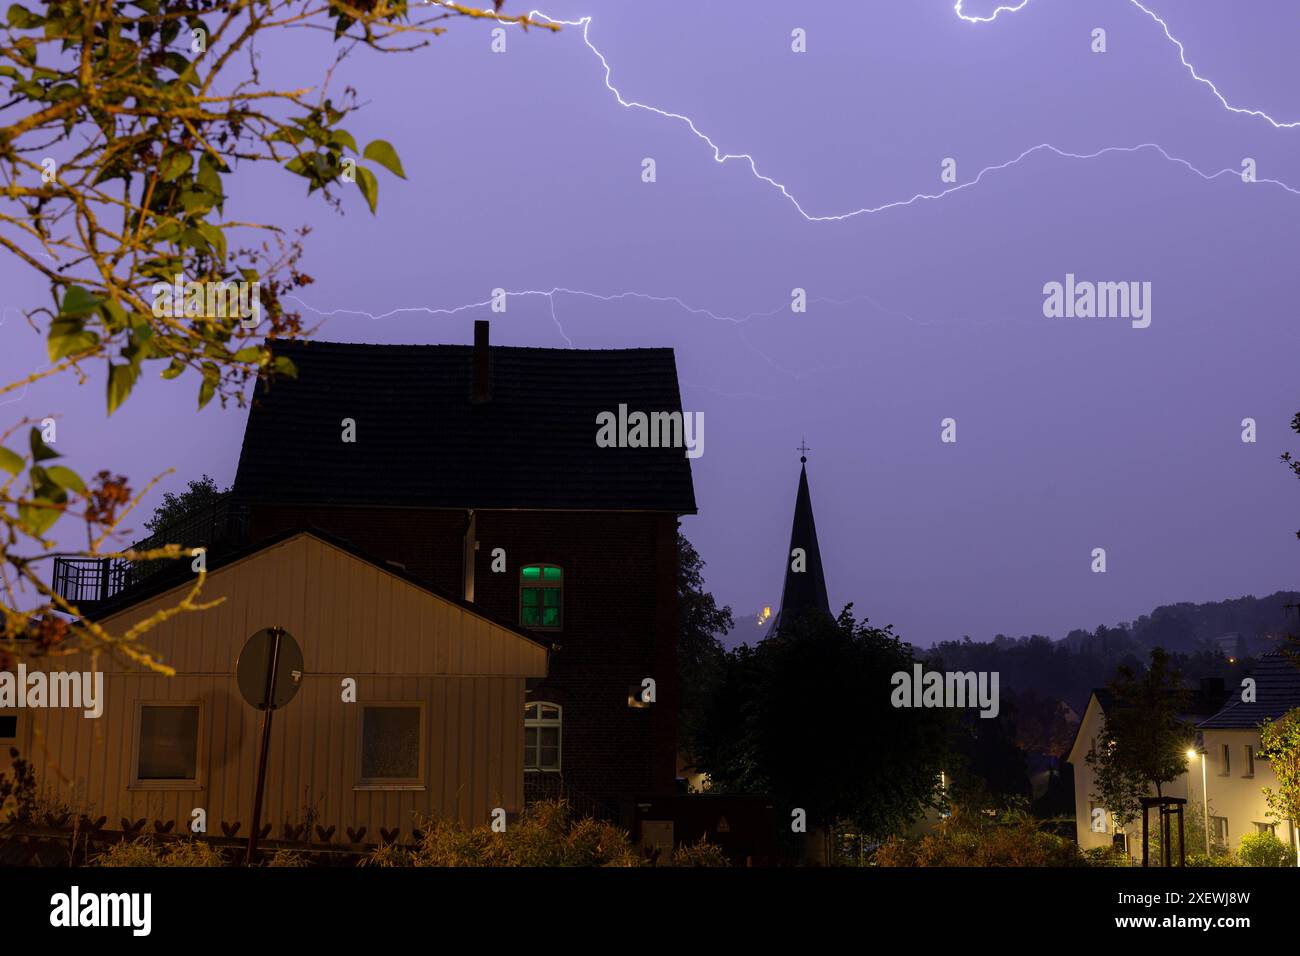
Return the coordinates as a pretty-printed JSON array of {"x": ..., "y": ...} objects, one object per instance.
[
  {"x": 210, "y": 179},
  {"x": 114, "y": 314},
  {"x": 66, "y": 478},
  {"x": 176, "y": 164},
  {"x": 40, "y": 450},
  {"x": 341, "y": 137},
  {"x": 206, "y": 390},
  {"x": 38, "y": 520},
  {"x": 67, "y": 337},
  {"x": 382, "y": 152},
  {"x": 21, "y": 18},
  {"x": 78, "y": 302},
  {"x": 174, "y": 369},
  {"x": 214, "y": 237},
  {"x": 369, "y": 186},
  {"x": 287, "y": 135},
  {"x": 10, "y": 461},
  {"x": 283, "y": 365},
  {"x": 121, "y": 378},
  {"x": 251, "y": 353}
]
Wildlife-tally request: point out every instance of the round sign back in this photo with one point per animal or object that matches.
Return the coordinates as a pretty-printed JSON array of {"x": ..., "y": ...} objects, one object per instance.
[{"x": 270, "y": 665}]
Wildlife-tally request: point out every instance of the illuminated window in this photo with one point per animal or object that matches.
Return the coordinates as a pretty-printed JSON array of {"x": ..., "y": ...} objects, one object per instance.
[
  {"x": 542, "y": 727},
  {"x": 541, "y": 596}
]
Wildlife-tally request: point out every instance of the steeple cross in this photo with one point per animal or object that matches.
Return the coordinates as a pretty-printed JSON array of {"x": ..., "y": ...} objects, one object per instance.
[{"x": 803, "y": 449}]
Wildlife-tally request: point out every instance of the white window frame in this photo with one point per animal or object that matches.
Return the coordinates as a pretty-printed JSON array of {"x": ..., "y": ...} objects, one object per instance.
[
  {"x": 149, "y": 783},
  {"x": 418, "y": 782},
  {"x": 539, "y": 722}
]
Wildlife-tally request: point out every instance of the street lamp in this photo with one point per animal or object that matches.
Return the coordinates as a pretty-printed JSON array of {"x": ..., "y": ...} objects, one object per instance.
[{"x": 1205, "y": 793}]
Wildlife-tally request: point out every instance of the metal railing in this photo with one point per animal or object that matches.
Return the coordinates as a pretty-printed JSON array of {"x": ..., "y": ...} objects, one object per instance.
[{"x": 88, "y": 581}]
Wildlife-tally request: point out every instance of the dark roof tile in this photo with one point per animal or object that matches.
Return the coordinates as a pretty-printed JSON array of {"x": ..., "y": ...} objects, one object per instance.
[{"x": 421, "y": 441}]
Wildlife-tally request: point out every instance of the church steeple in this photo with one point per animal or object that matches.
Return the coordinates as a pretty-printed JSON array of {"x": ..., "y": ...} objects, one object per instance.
[{"x": 804, "y": 592}]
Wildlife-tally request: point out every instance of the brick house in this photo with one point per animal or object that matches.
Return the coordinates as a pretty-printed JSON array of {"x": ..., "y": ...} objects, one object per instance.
[{"x": 476, "y": 469}]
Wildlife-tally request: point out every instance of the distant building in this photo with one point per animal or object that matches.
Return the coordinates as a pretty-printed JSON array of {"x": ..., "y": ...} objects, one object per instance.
[
  {"x": 1234, "y": 774},
  {"x": 1223, "y": 761}
]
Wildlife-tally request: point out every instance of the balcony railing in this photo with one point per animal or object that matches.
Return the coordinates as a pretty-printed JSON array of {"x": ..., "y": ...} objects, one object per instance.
[{"x": 85, "y": 582}]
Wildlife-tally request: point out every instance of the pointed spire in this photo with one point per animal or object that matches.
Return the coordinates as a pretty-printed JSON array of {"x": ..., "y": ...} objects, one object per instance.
[{"x": 805, "y": 589}]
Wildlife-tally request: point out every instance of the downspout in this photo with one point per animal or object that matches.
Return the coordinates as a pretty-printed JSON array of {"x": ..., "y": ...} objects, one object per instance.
[{"x": 469, "y": 547}]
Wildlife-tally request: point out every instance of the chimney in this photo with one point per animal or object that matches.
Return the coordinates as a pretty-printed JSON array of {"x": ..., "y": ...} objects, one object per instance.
[{"x": 482, "y": 370}]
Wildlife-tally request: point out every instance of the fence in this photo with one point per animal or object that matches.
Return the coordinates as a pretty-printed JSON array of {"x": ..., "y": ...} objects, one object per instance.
[{"x": 88, "y": 581}]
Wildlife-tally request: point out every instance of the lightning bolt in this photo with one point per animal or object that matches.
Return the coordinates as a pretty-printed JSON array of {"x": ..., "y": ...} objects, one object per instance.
[
  {"x": 1182, "y": 57},
  {"x": 720, "y": 157},
  {"x": 550, "y": 295}
]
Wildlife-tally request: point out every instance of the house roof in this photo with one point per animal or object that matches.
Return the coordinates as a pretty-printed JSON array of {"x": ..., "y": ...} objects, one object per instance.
[
  {"x": 1277, "y": 690},
  {"x": 1199, "y": 702},
  {"x": 181, "y": 574},
  {"x": 422, "y": 442}
]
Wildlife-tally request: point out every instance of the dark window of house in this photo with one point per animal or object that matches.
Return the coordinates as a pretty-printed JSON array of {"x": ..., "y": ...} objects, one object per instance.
[
  {"x": 9, "y": 727},
  {"x": 541, "y": 596},
  {"x": 1227, "y": 761},
  {"x": 169, "y": 742},
  {"x": 1250, "y": 761},
  {"x": 542, "y": 727},
  {"x": 390, "y": 744}
]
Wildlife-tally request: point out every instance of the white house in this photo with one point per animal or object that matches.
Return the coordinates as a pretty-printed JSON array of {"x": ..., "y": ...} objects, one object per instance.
[{"x": 1223, "y": 762}]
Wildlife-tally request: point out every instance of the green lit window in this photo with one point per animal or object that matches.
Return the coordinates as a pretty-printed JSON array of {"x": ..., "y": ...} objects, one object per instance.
[{"x": 541, "y": 596}]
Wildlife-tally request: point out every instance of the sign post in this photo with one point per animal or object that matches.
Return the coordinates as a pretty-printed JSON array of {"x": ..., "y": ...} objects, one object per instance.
[{"x": 269, "y": 672}]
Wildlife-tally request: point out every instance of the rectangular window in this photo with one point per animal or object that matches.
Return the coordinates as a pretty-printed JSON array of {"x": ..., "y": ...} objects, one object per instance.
[
  {"x": 391, "y": 752},
  {"x": 542, "y": 726},
  {"x": 168, "y": 746},
  {"x": 1226, "y": 752},
  {"x": 540, "y": 596},
  {"x": 1250, "y": 761},
  {"x": 1269, "y": 828},
  {"x": 1219, "y": 831},
  {"x": 8, "y": 726}
]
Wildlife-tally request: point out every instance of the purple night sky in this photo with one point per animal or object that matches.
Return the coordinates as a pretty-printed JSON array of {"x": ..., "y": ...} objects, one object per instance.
[{"x": 525, "y": 173}]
